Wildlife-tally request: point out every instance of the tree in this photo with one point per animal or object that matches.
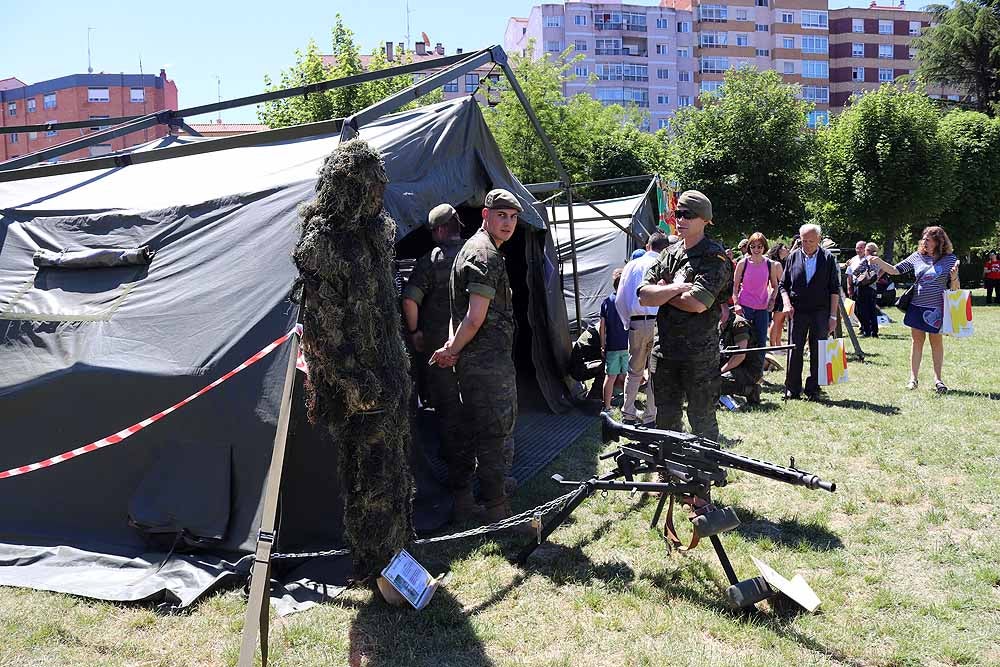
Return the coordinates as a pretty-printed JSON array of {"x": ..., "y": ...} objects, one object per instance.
[
  {"x": 972, "y": 206},
  {"x": 885, "y": 166},
  {"x": 748, "y": 149},
  {"x": 962, "y": 49},
  {"x": 592, "y": 141},
  {"x": 344, "y": 60}
]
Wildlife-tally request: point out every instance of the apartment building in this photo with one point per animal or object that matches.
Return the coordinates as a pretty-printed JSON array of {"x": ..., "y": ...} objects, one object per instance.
[{"x": 79, "y": 97}]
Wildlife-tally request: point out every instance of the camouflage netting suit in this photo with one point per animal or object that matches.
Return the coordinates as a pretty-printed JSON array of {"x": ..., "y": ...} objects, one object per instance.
[{"x": 358, "y": 369}]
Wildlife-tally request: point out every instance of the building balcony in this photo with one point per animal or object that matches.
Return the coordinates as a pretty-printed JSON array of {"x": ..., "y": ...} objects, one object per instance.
[
  {"x": 635, "y": 28},
  {"x": 607, "y": 52},
  {"x": 635, "y": 77},
  {"x": 608, "y": 26}
]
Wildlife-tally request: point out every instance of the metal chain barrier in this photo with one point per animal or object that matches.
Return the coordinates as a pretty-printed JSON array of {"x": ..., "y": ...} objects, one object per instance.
[{"x": 527, "y": 516}]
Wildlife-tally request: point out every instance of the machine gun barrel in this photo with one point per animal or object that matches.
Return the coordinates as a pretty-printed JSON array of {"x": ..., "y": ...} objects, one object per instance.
[
  {"x": 612, "y": 430},
  {"x": 729, "y": 351}
]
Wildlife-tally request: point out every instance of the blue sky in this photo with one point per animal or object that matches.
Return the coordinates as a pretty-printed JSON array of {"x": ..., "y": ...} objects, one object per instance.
[{"x": 238, "y": 42}]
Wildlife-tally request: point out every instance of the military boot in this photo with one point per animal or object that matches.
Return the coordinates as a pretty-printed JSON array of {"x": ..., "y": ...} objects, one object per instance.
[{"x": 464, "y": 506}]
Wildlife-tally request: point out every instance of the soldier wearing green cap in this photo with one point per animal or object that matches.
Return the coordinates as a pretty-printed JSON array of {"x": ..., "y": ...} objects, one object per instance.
[
  {"x": 689, "y": 283},
  {"x": 427, "y": 310},
  {"x": 481, "y": 348}
]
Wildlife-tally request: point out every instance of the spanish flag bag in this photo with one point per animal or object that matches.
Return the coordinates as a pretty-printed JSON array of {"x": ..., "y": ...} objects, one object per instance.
[{"x": 832, "y": 361}]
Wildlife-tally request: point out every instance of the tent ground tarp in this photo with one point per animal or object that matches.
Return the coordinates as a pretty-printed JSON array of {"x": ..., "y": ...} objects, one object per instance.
[{"x": 87, "y": 352}]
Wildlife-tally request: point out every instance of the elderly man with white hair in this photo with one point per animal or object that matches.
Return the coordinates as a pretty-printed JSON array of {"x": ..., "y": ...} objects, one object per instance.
[{"x": 810, "y": 290}]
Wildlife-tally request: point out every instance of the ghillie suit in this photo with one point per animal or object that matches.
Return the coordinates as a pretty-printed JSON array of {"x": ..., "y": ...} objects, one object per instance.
[{"x": 359, "y": 384}]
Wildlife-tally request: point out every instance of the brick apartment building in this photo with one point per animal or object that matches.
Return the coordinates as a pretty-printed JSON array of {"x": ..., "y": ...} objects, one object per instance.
[
  {"x": 81, "y": 97},
  {"x": 662, "y": 57}
]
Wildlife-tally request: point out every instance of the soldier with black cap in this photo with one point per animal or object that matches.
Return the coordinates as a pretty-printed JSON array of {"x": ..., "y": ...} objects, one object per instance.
[
  {"x": 689, "y": 283},
  {"x": 427, "y": 310},
  {"x": 481, "y": 348}
]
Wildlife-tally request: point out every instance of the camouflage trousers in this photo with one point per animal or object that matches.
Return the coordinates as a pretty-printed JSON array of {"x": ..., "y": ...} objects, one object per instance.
[
  {"x": 738, "y": 381},
  {"x": 695, "y": 378},
  {"x": 441, "y": 387},
  {"x": 488, "y": 413}
]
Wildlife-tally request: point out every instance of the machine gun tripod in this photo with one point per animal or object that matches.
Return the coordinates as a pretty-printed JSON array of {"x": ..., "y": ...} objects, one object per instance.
[{"x": 687, "y": 467}]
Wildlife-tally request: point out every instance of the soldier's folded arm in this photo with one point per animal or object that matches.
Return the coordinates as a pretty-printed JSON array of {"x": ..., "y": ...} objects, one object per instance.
[{"x": 705, "y": 289}]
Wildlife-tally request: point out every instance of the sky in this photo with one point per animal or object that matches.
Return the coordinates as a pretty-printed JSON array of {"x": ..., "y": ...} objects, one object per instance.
[{"x": 207, "y": 45}]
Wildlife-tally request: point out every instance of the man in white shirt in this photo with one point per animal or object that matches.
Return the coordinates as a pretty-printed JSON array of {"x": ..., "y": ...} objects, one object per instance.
[
  {"x": 641, "y": 322},
  {"x": 853, "y": 264}
]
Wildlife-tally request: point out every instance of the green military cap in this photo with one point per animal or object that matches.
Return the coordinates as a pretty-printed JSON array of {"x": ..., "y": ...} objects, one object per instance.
[
  {"x": 697, "y": 203},
  {"x": 440, "y": 215},
  {"x": 501, "y": 198}
]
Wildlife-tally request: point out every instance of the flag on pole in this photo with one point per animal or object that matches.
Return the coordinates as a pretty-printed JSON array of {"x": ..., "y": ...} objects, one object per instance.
[{"x": 666, "y": 200}]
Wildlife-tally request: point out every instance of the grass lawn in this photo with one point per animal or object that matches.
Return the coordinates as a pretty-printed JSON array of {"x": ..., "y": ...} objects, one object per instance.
[{"x": 905, "y": 556}]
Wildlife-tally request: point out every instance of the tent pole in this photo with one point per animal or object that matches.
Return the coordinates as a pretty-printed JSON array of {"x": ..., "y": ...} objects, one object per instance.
[
  {"x": 572, "y": 256},
  {"x": 605, "y": 216},
  {"x": 258, "y": 604}
]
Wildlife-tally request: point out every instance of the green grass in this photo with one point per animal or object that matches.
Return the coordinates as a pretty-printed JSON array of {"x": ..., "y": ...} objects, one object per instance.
[{"x": 905, "y": 556}]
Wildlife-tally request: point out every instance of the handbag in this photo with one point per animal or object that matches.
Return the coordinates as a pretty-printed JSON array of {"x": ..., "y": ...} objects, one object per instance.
[{"x": 904, "y": 300}]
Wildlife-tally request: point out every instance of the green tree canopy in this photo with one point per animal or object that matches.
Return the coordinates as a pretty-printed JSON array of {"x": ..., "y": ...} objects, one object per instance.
[
  {"x": 972, "y": 206},
  {"x": 962, "y": 49},
  {"x": 748, "y": 149},
  {"x": 885, "y": 167},
  {"x": 309, "y": 67}
]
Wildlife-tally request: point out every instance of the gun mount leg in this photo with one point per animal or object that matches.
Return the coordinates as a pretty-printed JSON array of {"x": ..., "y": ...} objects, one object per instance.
[
  {"x": 659, "y": 510},
  {"x": 582, "y": 494},
  {"x": 727, "y": 567}
]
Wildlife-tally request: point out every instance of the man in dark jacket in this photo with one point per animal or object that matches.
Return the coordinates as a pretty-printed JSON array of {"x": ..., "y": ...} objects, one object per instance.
[{"x": 810, "y": 291}]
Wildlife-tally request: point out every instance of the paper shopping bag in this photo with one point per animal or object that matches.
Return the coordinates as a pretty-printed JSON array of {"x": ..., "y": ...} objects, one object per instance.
[
  {"x": 957, "y": 319},
  {"x": 832, "y": 361}
]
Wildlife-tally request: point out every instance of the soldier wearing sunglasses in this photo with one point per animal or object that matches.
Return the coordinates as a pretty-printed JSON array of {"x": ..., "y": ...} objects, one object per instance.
[{"x": 689, "y": 283}]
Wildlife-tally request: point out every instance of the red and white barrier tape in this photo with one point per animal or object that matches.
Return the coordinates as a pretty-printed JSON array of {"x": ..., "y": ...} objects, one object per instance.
[{"x": 115, "y": 438}]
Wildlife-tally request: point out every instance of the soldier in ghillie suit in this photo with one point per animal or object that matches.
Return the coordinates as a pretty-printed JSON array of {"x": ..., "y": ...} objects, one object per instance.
[
  {"x": 427, "y": 310},
  {"x": 482, "y": 315},
  {"x": 741, "y": 373},
  {"x": 689, "y": 284},
  {"x": 358, "y": 383}
]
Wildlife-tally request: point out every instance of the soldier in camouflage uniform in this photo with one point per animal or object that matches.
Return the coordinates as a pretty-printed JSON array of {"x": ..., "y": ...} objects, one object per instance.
[
  {"x": 689, "y": 284},
  {"x": 427, "y": 309},
  {"x": 741, "y": 373},
  {"x": 481, "y": 347}
]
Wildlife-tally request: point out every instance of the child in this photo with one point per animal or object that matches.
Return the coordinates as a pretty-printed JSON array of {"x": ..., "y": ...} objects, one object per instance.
[{"x": 614, "y": 343}]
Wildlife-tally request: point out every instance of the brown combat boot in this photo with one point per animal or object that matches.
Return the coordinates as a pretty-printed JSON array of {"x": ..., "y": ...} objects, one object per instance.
[
  {"x": 464, "y": 506},
  {"x": 499, "y": 510}
]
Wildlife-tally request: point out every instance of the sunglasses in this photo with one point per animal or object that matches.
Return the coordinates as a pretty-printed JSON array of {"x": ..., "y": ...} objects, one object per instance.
[{"x": 685, "y": 214}]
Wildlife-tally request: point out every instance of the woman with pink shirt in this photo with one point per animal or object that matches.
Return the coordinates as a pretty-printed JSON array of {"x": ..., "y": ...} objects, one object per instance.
[{"x": 755, "y": 286}]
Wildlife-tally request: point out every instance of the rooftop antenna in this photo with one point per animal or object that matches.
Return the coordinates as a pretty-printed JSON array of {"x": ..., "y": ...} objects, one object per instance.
[
  {"x": 218, "y": 90},
  {"x": 90, "y": 70},
  {"x": 408, "y": 12}
]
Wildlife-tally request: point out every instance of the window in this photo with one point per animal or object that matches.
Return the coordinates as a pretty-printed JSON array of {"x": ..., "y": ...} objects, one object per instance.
[
  {"x": 663, "y": 123},
  {"x": 32, "y": 135},
  {"x": 471, "y": 83},
  {"x": 763, "y": 52},
  {"x": 634, "y": 21},
  {"x": 553, "y": 45},
  {"x": 914, "y": 28},
  {"x": 683, "y": 100},
  {"x": 609, "y": 71},
  {"x": 553, "y": 22},
  {"x": 635, "y": 72},
  {"x": 662, "y": 49},
  {"x": 11, "y": 108},
  {"x": 815, "y": 44},
  {"x": 710, "y": 40},
  {"x": 761, "y": 3},
  {"x": 12, "y": 138},
  {"x": 788, "y": 67},
  {"x": 662, "y": 73},
  {"x": 608, "y": 47},
  {"x": 663, "y": 99},
  {"x": 662, "y": 24},
  {"x": 450, "y": 87},
  {"x": 818, "y": 94},
  {"x": 580, "y": 45},
  {"x": 137, "y": 95},
  {"x": 857, "y": 74},
  {"x": 51, "y": 133},
  {"x": 813, "y": 19},
  {"x": 31, "y": 105},
  {"x": 99, "y": 127},
  {"x": 98, "y": 95},
  {"x": 716, "y": 65},
  {"x": 885, "y": 50},
  {"x": 711, "y": 86},
  {"x": 713, "y": 12},
  {"x": 885, "y": 74},
  {"x": 953, "y": 98},
  {"x": 742, "y": 15},
  {"x": 684, "y": 52},
  {"x": 683, "y": 26},
  {"x": 787, "y": 17},
  {"x": 815, "y": 69},
  {"x": 817, "y": 118},
  {"x": 857, "y": 25},
  {"x": 762, "y": 27},
  {"x": 911, "y": 52},
  {"x": 610, "y": 95},
  {"x": 788, "y": 42},
  {"x": 582, "y": 71},
  {"x": 743, "y": 39},
  {"x": 579, "y": 19},
  {"x": 884, "y": 27},
  {"x": 857, "y": 50},
  {"x": 100, "y": 149},
  {"x": 49, "y": 101},
  {"x": 684, "y": 76}
]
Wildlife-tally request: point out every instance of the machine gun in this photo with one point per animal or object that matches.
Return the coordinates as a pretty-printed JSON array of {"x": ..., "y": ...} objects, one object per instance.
[{"x": 687, "y": 467}]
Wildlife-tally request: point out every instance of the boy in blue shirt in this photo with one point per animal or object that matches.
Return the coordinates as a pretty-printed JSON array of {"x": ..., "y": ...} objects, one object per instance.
[{"x": 614, "y": 343}]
